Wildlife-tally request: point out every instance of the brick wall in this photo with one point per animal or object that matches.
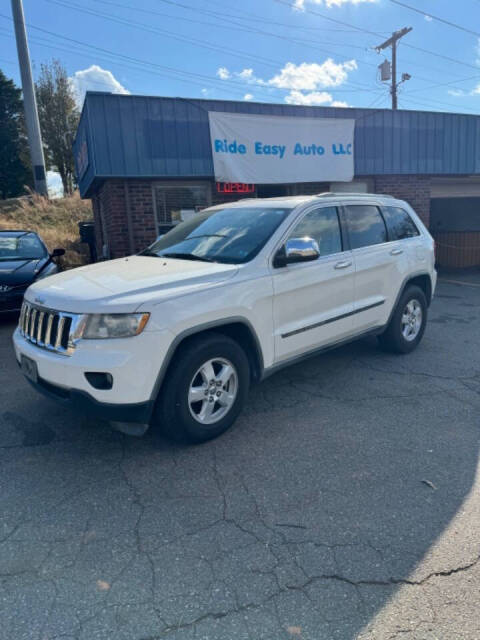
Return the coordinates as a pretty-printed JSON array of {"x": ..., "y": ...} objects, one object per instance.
[
  {"x": 414, "y": 189},
  {"x": 128, "y": 217},
  {"x": 141, "y": 213}
]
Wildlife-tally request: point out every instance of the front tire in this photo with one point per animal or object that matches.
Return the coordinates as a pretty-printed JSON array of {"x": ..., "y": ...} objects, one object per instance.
[
  {"x": 204, "y": 390},
  {"x": 408, "y": 322}
]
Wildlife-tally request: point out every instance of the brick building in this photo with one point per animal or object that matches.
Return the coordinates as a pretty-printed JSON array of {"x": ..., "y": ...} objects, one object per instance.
[{"x": 145, "y": 162}]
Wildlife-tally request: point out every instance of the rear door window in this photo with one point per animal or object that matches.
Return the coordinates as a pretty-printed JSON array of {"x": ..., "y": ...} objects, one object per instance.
[
  {"x": 399, "y": 224},
  {"x": 366, "y": 226}
]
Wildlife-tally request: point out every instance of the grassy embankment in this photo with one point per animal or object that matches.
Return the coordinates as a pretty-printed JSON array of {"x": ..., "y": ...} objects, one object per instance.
[{"x": 56, "y": 221}]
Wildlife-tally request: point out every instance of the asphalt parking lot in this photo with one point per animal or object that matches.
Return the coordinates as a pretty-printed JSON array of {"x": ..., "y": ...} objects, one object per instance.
[{"x": 344, "y": 504}]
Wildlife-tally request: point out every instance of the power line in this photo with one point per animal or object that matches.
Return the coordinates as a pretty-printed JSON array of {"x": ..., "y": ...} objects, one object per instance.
[
  {"x": 202, "y": 43},
  {"x": 216, "y": 14},
  {"x": 303, "y": 41},
  {"x": 70, "y": 5},
  {"x": 273, "y": 63},
  {"x": 430, "y": 15},
  {"x": 116, "y": 58},
  {"x": 377, "y": 34},
  {"x": 428, "y": 104},
  {"x": 165, "y": 32},
  {"x": 166, "y": 71},
  {"x": 444, "y": 84}
]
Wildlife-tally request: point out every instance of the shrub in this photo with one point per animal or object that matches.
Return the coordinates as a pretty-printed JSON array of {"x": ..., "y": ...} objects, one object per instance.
[{"x": 56, "y": 221}]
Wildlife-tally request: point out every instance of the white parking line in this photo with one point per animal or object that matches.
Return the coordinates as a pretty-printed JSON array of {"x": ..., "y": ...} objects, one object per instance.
[{"x": 461, "y": 282}]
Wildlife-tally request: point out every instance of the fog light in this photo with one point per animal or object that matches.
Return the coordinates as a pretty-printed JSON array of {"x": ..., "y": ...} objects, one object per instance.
[{"x": 100, "y": 380}]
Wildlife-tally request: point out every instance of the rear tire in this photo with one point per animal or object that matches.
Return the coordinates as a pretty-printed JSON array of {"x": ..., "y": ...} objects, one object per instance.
[
  {"x": 407, "y": 324},
  {"x": 204, "y": 389}
]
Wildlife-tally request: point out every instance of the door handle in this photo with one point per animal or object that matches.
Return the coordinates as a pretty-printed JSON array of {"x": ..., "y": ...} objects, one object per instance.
[
  {"x": 396, "y": 252},
  {"x": 343, "y": 264}
]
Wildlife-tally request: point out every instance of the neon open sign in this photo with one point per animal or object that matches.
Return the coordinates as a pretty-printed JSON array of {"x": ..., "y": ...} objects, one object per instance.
[{"x": 235, "y": 187}]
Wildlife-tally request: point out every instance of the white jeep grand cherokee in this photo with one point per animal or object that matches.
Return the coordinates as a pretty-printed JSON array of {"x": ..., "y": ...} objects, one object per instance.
[{"x": 176, "y": 335}]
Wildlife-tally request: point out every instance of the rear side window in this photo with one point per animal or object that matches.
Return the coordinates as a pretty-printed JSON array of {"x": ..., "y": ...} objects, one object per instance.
[
  {"x": 321, "y": 225},
  {"x": 365, "y": 225},
  {"x": 399, "y": 223}
]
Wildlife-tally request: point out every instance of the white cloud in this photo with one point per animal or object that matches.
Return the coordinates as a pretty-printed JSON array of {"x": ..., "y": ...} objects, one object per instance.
[
  {"x": 309, "y": 99},
  {"x": 428, "y": 18},
  {"x": 95, "y": 79},
  {"x": 314, "y": 98},
  {"x": 457, "y": 92},
  {"x": 223, "y": 73},
  {"x": 299, "y": 5},
  {"x": 246, "y": 74},
  {"x": 307, "y": 76},
  {"x": 310, "y": 76},
  {"x": 248, "y": 96}
]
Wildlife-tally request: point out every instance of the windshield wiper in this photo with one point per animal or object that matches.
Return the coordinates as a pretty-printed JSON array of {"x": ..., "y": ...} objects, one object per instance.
[{"x": 186, "y": 256}]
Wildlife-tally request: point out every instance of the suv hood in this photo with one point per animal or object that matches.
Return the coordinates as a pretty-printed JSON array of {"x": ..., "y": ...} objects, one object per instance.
[{"x": 122, "y": 285}]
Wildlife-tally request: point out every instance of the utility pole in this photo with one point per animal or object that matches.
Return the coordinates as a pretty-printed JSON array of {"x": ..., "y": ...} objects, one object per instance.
[
  {"x": 29, "y": 100},
  {"x": 392, "y": 42}
]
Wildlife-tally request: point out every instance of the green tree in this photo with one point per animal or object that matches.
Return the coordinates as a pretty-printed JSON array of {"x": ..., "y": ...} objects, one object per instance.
[
  {"x": 15, "y": 172},
  {"x": 59, "y": 117}
]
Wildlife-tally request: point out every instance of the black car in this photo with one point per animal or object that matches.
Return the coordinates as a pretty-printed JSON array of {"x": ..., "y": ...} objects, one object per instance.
[{"x": 23, "y": 259}]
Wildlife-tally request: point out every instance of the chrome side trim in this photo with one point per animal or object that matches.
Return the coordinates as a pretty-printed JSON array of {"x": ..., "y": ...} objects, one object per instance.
[{"x": 334, "y": 319}]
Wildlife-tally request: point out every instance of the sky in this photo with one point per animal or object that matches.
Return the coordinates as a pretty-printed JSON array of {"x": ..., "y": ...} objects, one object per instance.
[{"x": 312, "y": 52}]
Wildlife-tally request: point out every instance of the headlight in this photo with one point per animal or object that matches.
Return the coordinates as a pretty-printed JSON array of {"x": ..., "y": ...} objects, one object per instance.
[{"x": 116, "y": 325}]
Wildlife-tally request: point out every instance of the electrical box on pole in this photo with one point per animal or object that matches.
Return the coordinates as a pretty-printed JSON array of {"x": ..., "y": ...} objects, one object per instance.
[{"x": 385, "y": 71}]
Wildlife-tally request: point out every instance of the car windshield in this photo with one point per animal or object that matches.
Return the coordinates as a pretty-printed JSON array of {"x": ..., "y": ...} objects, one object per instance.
[
  {"x": 232, "y": 235},
  {"x": 26, "y": 246}
]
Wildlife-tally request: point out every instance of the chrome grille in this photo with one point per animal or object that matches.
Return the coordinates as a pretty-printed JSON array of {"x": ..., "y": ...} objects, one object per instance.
[{"x": 48, "y": 329}]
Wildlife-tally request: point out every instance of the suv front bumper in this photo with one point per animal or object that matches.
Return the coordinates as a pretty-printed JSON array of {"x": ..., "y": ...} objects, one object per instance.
[{"x": 134, "y": 364}]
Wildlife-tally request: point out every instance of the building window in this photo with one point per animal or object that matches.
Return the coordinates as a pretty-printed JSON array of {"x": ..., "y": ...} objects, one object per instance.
[{"x": 173, "y": 204}]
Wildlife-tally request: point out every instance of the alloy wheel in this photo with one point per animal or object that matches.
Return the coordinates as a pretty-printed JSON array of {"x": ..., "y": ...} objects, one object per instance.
[{"x": 212, "y": 391}]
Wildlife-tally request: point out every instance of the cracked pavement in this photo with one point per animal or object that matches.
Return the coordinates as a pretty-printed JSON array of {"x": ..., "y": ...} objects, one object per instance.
[{"x": 344, "y": 504}]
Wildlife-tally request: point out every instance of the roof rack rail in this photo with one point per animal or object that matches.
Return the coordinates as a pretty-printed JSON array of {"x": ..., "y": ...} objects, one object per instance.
[{"x": 353, "y": 193}]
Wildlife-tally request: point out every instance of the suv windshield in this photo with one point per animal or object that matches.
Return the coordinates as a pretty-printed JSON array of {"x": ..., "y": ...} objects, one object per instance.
[
  {"x": 26, "y": 246},
  {"x": 232, "y": 235}
]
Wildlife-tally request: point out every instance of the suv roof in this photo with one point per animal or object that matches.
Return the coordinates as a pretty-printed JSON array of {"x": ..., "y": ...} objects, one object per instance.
[{"x": 294, "y": 201}]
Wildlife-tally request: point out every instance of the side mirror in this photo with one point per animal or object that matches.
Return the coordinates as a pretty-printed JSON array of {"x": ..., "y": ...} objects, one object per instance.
[
  {"x": 56, "y": 253},
  {"x": 297, "y": 250}
]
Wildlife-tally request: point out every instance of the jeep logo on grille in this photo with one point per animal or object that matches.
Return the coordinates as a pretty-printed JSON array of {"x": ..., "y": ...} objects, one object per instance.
[{"x": 40, "y": 300}]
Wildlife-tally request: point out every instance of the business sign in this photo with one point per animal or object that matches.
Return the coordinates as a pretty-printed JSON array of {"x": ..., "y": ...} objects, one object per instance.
[
  {"x": 235, "y": 187},
  {"x": 255, "y": 149}
]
